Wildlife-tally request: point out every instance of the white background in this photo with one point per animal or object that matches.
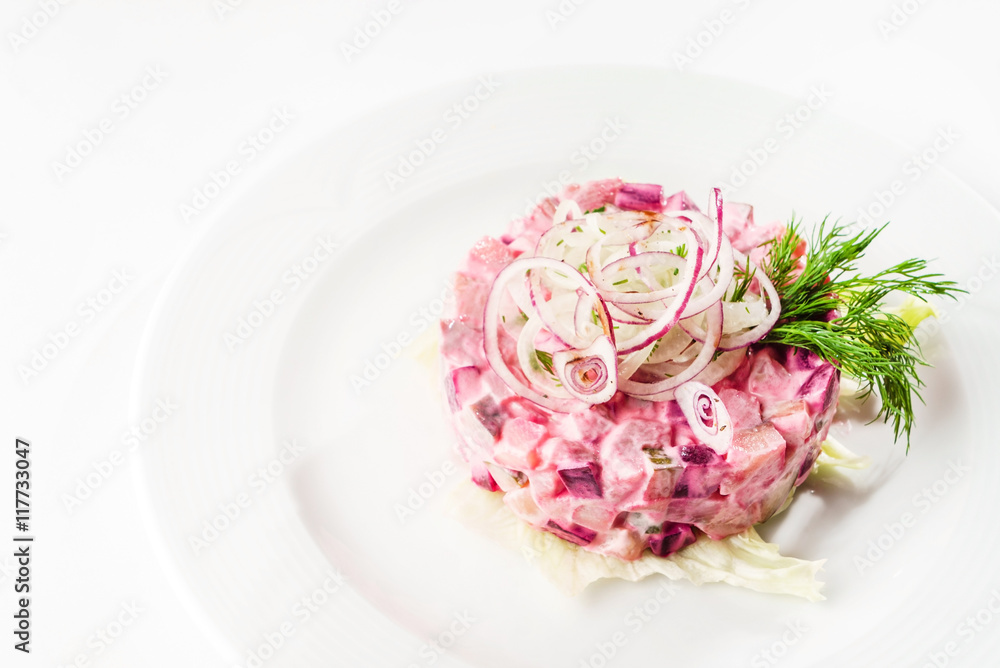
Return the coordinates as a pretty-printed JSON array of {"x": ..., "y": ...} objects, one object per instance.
[{"x": 905, "y": 69}]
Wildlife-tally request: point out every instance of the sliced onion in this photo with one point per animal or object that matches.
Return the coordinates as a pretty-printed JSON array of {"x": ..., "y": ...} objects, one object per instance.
[
  {"x": 662, "y": 390},
  {"x": 591, "y": 374},
  {"x": 568, "y": 209},
  {"x": 659, "y": 311},
  {"x": 706, "y": 414},
  {"x": 736, "y": 341},
  {"x": 631, "y": 362},
  {"x": 491, "y": 334},
  {"x": 721, "y": 367},
  {"x": 719, "y": 285},
  {"x": 671, "y": 315}
]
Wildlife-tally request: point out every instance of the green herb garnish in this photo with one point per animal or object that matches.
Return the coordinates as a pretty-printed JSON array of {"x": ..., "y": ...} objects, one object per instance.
[
  {"x": 836, "y": 312},
  {"x": 545, "y": 359},
  {"x": 598, "y": 210},
  {"x": 743, "y": 277}
]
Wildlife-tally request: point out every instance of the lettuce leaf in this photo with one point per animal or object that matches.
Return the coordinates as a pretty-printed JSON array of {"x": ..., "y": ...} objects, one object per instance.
[
  {"x": 913, "y": 310},
  {"x": 742, "y": 560},
  {"x": 835, "y": 455}
]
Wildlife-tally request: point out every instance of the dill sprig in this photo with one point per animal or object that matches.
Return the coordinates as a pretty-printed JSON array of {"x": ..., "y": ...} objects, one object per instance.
[
  {"x": 743, "y": 278},
  {"x": 545, "y": 360},
  {"x": 836, "y": 312}
]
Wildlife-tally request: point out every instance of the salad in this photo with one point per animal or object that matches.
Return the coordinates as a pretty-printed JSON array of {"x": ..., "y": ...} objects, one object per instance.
[{"x": 637, "y": 378}]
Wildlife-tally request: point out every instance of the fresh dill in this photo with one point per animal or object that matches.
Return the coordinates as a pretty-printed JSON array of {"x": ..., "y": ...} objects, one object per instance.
[
  {"x": 545, "y": 360},
  {"x": 833, "y": 310},
  {"x": 743, "y": 277}
]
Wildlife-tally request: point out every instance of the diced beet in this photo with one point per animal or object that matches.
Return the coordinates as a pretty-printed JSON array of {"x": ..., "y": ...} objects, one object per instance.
[
  {"x": 699, "y": 455},
  {"x": 743, "y": 408},
  {"x": 768, "y": 379},
  {"x": 594, "y": 194},
  {"x": 519, "y": 443},
  {"x": 756, "y": 457},
  {"x": 471, "y": 294},
  {"x": 820, "y": 389},
  {"x": 490, "y": 255},
  {"x": 583, "y": 482},
  {"x": 640, "y": 197},
  {"x": 801, "y": 359},
  {"x": 574, "y": 534},
  {"x": 697, "y": 482},
  {"x": 464, "y": 386},
  {"x": 482, "y": 477},
  {"x": 489, "y": 413},
  {"x": 806, "y": 468},
  {"x": 661, "y": 486},
  {"x": 672, "y": 538},
  {"x": 518, "y": 407},
  {"x": 792, "y": 420},
  {"x": 625, "y": 468},
  {"x": 461, "y": 344},
  {"x": 586, "y": 426},
  {"x": 679, "y": 202}
]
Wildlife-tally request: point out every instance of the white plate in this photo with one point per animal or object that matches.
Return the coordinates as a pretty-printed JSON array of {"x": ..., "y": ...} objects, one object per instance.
[{"x": 334, "y": 507}]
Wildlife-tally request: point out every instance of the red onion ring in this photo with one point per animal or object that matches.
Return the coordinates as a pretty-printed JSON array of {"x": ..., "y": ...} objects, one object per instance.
[{"x": 706, "y": 414}]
